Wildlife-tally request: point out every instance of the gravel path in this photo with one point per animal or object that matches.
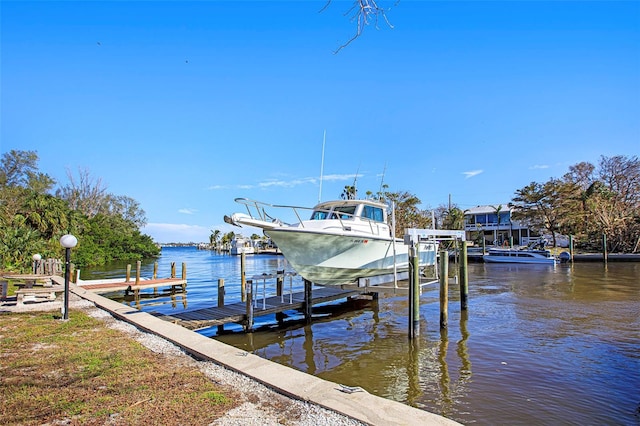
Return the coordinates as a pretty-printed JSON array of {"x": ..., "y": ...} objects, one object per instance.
[{"x": 261, "y": 406}]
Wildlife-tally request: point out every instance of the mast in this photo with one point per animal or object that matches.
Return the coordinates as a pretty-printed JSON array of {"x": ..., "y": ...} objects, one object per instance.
[{"x": 324, "y": 138}]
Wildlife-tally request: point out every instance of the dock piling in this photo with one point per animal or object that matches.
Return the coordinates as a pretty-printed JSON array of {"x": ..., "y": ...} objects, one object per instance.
[
  {"x": 464, "y": 277},
  {"x": 571, "y": 248},
  {"x": 138, "y": 267},
  {"x": 220, "y": 300},
  {"x": 243, "y": 282},
  {"x": 307, "y": 300},
  {"x": 249, "y": 304},
  {"x": 414, "y": 293},
  {"x": 444, "y": 289}
]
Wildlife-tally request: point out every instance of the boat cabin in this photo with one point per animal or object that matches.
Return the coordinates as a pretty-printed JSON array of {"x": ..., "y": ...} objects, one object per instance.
[{"x": 350, "y": 209}]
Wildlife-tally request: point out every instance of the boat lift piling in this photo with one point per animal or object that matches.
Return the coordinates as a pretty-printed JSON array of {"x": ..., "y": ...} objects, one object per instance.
[
  {"x": 412, "y": 238},
  {"x": 443, "y": 268}
]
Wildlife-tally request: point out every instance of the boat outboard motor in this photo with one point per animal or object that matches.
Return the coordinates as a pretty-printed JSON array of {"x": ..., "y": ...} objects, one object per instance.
[{"x": 564, "y": 256}]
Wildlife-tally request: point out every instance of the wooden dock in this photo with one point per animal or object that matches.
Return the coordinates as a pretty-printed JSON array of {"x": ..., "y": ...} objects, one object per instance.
[
  {"x": 108, "y": 287},
  {"x": 243, "y": 312}
]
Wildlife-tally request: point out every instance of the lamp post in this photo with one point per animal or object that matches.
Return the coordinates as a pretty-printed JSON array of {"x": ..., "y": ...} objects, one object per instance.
[
  {"x": 36, "y": 262},
  {"x": 67, "y": 241}
]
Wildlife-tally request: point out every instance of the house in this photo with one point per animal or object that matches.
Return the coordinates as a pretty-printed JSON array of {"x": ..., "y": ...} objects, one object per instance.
[{"x": 495, "y": 225}]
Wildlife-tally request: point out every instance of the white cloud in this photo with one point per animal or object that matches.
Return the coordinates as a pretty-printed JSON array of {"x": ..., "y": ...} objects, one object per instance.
[
  {"x": 471, "y": 173},
  {"x": 216, "y": 187},
  {"x": 539, "y": 167},
  {"x": 187, "y": 211},
  {"x": 340, "y": 177},
  {"x": 282, "y": 183}
]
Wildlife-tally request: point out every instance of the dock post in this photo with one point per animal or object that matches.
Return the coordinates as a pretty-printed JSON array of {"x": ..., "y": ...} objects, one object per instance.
[
  {"x": 243, "y": 282},
  {"x": 571, "y": 248},
  {"x": 605, "y": 255},
  {"x": 307, "y": 301},
  {"x": 464, "y": 278},
  {"x": 220, "y": 300},
  {"x": 279, "y": 282},
  {"x": 248, "y": 327},
  {"x": 138, "y": 264},
  {"x": 128, "y": 276},
  {"x": 279, "y": 292},
  {"x": 173, "y": 269},
  {"x": 184, "y": 276},
  {"x": 444, "y": 289},
  {"x": 155, "y": 270},
  {"x": 414, "y": 293}
]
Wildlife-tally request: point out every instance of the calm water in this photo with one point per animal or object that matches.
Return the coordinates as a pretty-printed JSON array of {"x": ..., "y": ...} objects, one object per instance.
[{"x": 538, "y": 345}]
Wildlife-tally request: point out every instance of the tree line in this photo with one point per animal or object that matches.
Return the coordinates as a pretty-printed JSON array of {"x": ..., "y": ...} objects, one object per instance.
[
  {"x": 34, "y": 214},
  {"x": 588, "y": 202}
]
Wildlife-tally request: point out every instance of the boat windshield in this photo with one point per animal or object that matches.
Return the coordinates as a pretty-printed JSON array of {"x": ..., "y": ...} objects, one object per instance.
[
  {"x": 345, "y": 212},
  {"x": 320, "y": 215},
  {"x": 338, "y": 212}
]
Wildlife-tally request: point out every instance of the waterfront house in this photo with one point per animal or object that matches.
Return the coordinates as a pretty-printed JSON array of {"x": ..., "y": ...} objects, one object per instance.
[{"x": 494, "y": 224}]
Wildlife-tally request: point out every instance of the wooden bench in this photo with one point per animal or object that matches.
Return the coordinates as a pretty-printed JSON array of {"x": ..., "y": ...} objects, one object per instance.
[{"x": 37, "y": 294}]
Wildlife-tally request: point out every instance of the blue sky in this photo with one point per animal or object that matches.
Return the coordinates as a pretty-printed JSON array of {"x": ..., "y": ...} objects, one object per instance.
[{"x": 185, "y": 106}]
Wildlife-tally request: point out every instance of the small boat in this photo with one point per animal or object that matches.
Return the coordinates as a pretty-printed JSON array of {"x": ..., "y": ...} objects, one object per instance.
[
  {"x": 515, "y": 255},
  {"x": 342, "y": 240}
]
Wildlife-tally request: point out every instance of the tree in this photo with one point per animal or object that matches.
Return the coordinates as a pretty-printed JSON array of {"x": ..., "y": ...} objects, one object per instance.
[
  {"x": 349, "y": 193},
  {"x": 407, "y": 212},
  {"x": 214, "y": 237},
  {"x": 20, "y": 169},
  {"x": 125, "y": 207},
  {"x": 449, "y": 217},
  {"x": 538, "y": 204},
  {"x": 84, "y": 194},
  {"x": 32, "y": 220}
]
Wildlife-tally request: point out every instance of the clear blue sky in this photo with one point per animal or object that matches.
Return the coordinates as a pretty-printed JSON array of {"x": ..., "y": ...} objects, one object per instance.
[{"x": 185, "y": 106}]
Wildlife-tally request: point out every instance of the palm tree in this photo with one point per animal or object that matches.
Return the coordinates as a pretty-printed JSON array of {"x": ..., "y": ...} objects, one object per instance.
[{"x": 214, "y": 237}]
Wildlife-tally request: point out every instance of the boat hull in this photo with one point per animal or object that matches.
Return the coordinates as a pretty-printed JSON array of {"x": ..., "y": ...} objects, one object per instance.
[
  {"x": 335, "y": 259},
  {"x": 518, "y": 256}
]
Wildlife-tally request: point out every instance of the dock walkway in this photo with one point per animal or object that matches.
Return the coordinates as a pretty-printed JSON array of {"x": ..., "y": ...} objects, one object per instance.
[
  {"x": 103, "y": 286},
  {"x": 239, "y": 312}
]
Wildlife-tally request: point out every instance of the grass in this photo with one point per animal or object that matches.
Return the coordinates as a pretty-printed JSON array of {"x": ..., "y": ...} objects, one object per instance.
[{"x": 81, "y": 372}]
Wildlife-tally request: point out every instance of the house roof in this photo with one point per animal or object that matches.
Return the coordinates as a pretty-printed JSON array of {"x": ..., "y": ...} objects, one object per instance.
[{"x": 487, "y": 209}]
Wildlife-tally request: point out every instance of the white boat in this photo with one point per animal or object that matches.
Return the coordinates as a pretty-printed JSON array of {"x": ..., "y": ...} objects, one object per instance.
[
  {"x": 514, "y": 255},
  {"x": 241, "y": 245},
  {"x": 341, "y": 242}
]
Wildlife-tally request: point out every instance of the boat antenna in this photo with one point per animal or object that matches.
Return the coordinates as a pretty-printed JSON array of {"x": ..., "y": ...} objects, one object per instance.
[
  {"x": 380, "y": 193},
  {"x": 355, "y": 180},
  {"x": 324, "y": 138}
]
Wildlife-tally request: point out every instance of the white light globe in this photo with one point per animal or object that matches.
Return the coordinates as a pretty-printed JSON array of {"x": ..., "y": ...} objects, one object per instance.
[
  {"x": 37, "y": 257},
  {"x": 68, "y": 241}
]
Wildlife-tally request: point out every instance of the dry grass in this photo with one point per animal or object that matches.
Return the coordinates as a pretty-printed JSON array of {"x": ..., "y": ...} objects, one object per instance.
[{"x": 81, "y": 372}]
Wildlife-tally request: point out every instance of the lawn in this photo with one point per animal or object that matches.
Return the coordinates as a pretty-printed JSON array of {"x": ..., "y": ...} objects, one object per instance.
[{"x": 82, "y": 372}]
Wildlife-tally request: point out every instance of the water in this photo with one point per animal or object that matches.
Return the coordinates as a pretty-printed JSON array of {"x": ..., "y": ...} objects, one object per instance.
[{"x": 538, "y": 345}]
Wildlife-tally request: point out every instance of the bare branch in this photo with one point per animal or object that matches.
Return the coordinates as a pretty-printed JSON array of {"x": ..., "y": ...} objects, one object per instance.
[{"x": 363, "y": 12}]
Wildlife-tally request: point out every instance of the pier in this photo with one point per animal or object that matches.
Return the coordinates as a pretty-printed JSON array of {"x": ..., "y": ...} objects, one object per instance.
[
  {"x": 244, "y": 312},
  {"x": 129, "y": 285}
]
